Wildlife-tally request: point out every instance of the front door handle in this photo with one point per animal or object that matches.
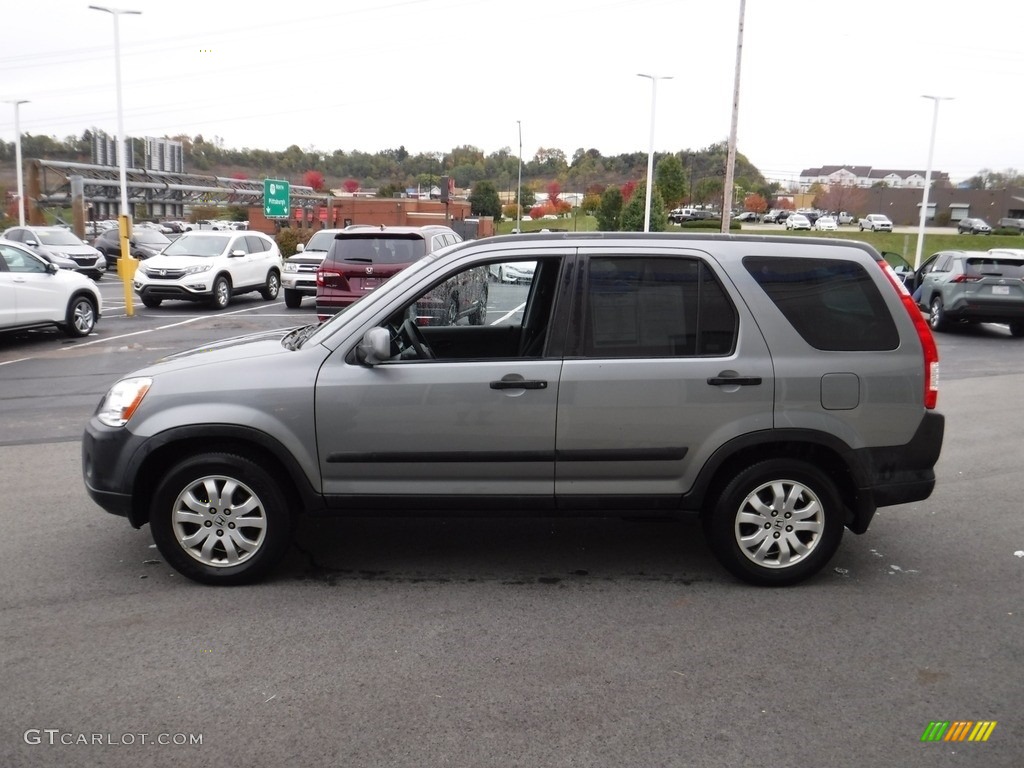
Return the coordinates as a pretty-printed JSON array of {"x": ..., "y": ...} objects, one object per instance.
[
  {"x": 519, "y": 384},
  {"x": 734, "y": 381}
]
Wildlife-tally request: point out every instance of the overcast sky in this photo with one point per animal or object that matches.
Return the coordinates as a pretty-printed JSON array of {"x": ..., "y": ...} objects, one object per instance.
[{"x": 822, "y": 82}]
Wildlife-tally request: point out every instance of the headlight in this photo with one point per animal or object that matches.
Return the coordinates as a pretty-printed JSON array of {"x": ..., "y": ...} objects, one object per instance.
[
  {"x": 122, "y": 401},
  {"x": 196, "y": 269},
  {"x": 289, "y": 267}
]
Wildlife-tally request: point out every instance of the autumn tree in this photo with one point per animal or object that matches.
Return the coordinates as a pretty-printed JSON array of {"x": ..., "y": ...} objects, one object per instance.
[
  {"x": 627, "y": 191},
  {"x": 839, "y": 197},
  {"x": 313, "y": 179},
  {"x": 754, "y": 202},
  {"x": 350, "y": 185},
  {"x": 554, "y": 189}
]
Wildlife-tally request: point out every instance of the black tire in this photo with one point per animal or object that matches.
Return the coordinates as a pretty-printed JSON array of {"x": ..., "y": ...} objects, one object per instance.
[
  {"x": 80, "y": 318},
  {"x": 937, "y": 315},
  {"x": 151, "y": 302},
  {"x": 231, "y": 552},
  {"x": 1017, "y": 329},
  {"x": 292, "y": 299},
  {"x": 221, "y": 295},
  {"x": 272, "y": 287},
  {"x": 451, "y": 316},
  {"x": 751, "y": 528}
]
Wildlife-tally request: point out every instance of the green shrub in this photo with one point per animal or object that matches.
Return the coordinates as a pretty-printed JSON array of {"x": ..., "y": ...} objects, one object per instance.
[
  {"x": 1007, "y": 231},
  {"x": 288, "y": 238},
  {"x": 715, "y": 224}
]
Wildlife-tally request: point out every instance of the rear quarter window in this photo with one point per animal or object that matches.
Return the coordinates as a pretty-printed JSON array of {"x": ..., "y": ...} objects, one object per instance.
[{"x": 832, "y": 303}]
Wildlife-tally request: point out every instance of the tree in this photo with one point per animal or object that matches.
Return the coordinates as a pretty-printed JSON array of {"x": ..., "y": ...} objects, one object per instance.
[
  {"x": 627, "y": 190},
  {"x": 669, "y": 179},
  {"x": 484, "y": 200},
  {"x": 350, "y": 185},
  {"x": 313, "y": 179},
  {"x": 609, "y": 213},
  {"x": 635, "y": 211},
  {"x": 755, "y": 202},
  {"x": 526, "y": 198},
  {"x": 839, "y": 197},
  {"x": 554, "y": 189}
]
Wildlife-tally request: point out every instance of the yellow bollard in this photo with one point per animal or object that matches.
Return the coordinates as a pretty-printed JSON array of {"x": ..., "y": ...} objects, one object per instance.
[{"x": 126, "y": 265}]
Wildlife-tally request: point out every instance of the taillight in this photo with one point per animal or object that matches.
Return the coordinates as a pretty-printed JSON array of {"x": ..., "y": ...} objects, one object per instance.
[
  {"x": 330, "y": 278},
  {"x": 966, "y": 279},
  {"x": 924, "y": 333}
]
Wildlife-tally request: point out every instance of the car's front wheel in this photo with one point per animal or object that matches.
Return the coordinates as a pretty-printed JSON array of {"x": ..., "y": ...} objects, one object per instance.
[
  {"x": 218, "y": 518},
  {"x": 221, "y": 296},
  {"x": 776, "y": 522},
  {"x": 272, "y": 287},
  {"x": 292, "y": 299},
  {"x": 151, "y": 302},
  {"x": 80, "y": 319},
  {"x": 937, "y": 315}
]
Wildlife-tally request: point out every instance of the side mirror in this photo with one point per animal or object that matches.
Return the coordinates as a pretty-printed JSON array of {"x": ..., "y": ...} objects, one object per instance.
[
  {"x": 52, "y": 268},
  {"x": 33, "y": 243},
  {"x": 236, "y": 254},
  {"x": 375, "y": 347},
  {"x": 300, "y": 247}
]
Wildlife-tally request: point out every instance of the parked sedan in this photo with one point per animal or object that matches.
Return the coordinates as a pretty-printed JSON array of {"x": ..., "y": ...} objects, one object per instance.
[
  {"x": 973, "y": 227},
  {"x": 53, "y": 243},
  {"x": 513, "y": 271},
  {"x": 826, "y": 224},
  {"x": 797, "y": 221},
  {"x": 143, "y": 244},
  {"x": 34, "y": 293}
]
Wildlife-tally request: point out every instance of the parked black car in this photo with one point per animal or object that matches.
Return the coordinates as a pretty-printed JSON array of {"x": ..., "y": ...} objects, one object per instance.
[
  {"x": 973, "y": 227},
  {"x": 144, "y": 243}
]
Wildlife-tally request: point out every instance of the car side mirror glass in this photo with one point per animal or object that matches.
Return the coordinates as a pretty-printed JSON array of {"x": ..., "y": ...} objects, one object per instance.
[
  {"x": 33, "y": 243},
  {"x": 375, "y": 347}
]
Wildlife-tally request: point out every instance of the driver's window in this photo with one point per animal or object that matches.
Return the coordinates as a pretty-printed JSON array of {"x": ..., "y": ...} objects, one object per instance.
[{"x": 488, "y": 311}]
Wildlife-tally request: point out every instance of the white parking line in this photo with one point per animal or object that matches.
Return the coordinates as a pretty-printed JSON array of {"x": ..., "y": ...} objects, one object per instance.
[{"x": 510, "y": 314}]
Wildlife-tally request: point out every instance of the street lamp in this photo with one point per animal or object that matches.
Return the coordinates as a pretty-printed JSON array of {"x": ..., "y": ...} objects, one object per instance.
[
  {"x": 17, "y": 160},
  {"x": 519, "y": 187},
  {"x": 927, "y": 177},
  {"x": 650, "y": 151},
  {"x": 126, "y": 263}
]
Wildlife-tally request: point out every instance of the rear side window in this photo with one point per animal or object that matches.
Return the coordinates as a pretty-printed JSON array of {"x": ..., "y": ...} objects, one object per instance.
[
  {"x": 655, "y": 307},
  {"x": 832, "y": 303}
]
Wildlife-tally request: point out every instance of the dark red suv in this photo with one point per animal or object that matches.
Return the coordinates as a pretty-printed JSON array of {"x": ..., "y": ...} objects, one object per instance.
[{"x": 361, "y": 259}]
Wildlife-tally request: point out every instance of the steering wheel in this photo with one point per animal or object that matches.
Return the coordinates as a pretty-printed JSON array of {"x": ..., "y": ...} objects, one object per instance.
[{"x": 415, "y": 336}]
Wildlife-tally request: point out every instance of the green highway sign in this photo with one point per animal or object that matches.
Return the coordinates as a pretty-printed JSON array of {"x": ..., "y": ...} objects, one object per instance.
[{"x": 276, "y": 198}]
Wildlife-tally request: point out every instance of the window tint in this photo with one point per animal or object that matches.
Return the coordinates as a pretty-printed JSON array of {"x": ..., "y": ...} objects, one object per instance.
[
  {"x": 378, "y": 250},
  {"x": 256, "y": 244},
  {"x": 19, "y": 261},
  {"x": 832, "y": 303},
  {"x": 655, "y": 307}
]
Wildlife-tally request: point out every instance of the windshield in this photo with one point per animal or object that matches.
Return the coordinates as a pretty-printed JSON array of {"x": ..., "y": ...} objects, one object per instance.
[
  {"x": 150, "y": 237},
  {"x": 57, "y": 237},
  {"x": 197, "y": 245},
  {"x": 385, "y": 249},
  {"x": 321, "y": 241}
]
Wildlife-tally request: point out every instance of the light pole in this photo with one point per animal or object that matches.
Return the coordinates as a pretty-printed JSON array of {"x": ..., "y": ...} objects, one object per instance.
[
  {"x": 927, "y": 177},
  {"x": 519, "y": 183},
  {"x": 650, "y": 150},
  {"x": 126, "y": 264},
  {"x": 17, "y": 160}
]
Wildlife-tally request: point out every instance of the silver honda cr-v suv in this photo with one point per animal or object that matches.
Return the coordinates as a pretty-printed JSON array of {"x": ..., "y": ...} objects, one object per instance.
[{"x": 782, "y": 389}]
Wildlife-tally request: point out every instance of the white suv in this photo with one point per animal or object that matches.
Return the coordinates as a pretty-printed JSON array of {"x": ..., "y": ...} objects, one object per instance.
[
  {"x": 211, "y": 267},
  {"x": 876, "y": 222}
]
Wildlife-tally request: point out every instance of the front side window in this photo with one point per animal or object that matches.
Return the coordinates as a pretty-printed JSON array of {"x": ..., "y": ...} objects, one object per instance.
[
  {"x": 19, "y": 261},
  {"x": 832, "y": 303},
  {"x": 655, "y": 307}
]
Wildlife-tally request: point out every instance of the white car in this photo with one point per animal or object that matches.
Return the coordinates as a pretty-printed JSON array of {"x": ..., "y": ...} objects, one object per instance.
[
  {"x": 826, "y": 224},
  {"x": 797, "y": 221},
  {"x": 513, "y": 272},
  {"x": 34, "y": 293},
  {"x": 211, "y": 267},
  {"x": 876, "y": 222}
]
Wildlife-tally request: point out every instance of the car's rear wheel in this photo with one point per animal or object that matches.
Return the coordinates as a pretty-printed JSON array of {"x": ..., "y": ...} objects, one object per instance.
[
  {"x": 776, "y": 522},
  {"x": 937, "y": 315},
  {"x": 80, "y": 319},
  {"x": 221, "y": 296},
  {"x": 292, "y": 299},
  {"x": 151, "y": 302},
  {"x": 218, "y": 518},
  {"x": 273, "y": 286},
  {"x": 1017, "y": 329}
]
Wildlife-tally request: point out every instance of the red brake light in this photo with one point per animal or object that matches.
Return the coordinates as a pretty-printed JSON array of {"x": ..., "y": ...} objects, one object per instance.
[
  {"x": 924, "y": 333},
  {"x": 966, "y": 279}
]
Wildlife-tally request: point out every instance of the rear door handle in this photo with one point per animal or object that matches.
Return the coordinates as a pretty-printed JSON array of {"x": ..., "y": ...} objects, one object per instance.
[
  {"x": 519, "y": 384},
  {"x": 734, "y": 381}
]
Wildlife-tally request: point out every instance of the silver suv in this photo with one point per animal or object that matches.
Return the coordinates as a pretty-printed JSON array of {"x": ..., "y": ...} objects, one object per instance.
[{"x": 780, "y": 388}]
